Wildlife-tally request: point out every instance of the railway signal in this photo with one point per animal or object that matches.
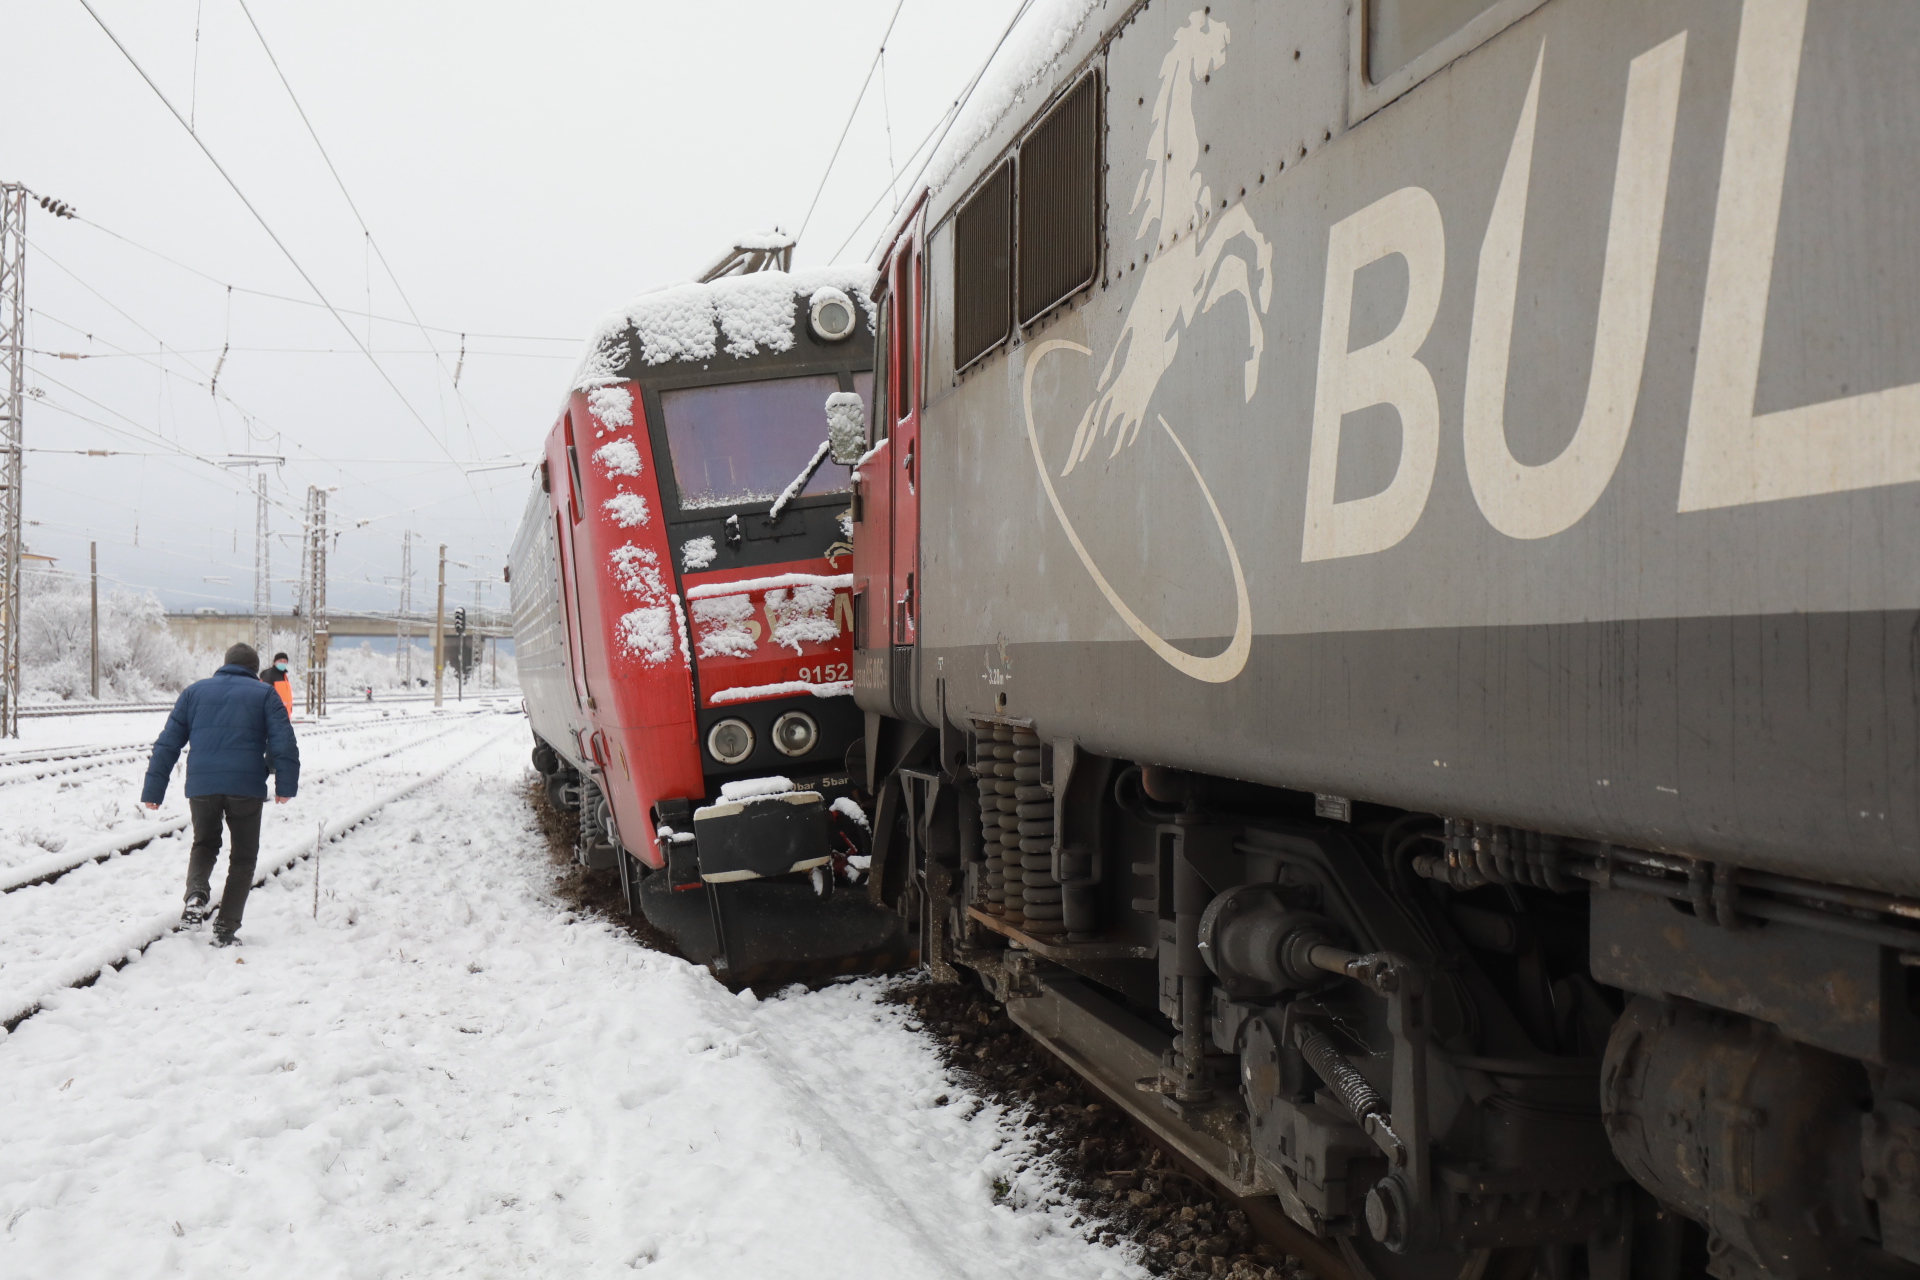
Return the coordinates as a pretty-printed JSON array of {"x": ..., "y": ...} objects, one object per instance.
[{"x": 460, "y": 655}]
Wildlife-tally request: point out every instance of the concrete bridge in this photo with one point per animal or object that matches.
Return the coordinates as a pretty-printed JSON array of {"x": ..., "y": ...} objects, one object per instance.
[{"x": 214, "y": 630}]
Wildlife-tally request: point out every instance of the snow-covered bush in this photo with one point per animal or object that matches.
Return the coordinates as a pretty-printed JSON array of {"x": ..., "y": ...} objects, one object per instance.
[{"x": 139, "y": 658}]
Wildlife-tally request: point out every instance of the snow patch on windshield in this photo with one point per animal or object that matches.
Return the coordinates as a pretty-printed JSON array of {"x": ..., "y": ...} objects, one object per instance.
[
  {"x": 697, "y": 553},
  {"x": 627, "y": 509},
  {"x": 709, "y": 499},
  {"x": 620, "y": 457}
]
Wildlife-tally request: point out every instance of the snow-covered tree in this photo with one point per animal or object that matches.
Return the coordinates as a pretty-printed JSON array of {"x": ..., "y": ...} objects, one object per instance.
[{"x": 139, "y": 657}]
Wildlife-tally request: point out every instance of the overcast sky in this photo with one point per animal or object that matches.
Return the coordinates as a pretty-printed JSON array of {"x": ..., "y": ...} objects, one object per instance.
[{"x": 523, "y": 168}]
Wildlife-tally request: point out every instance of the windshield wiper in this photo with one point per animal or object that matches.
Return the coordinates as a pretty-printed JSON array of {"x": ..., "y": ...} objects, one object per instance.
[{"x": 800, "y": 482}]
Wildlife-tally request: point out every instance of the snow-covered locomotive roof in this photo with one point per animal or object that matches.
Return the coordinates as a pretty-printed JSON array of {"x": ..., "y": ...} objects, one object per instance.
[{"x": 737, "y": 316}]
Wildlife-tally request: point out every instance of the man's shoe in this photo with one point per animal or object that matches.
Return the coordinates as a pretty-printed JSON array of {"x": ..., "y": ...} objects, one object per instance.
[
  {"x": 225, "y": 940},
  {"x": 195, "y": 914}
]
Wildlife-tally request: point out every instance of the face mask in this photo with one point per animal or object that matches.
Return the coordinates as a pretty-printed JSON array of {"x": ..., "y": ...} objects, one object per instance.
[{"x": 279, "y": 666}]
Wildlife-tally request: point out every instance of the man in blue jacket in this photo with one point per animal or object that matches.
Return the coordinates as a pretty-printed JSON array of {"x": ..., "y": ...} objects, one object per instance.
[{"x": 239, "y": 733}]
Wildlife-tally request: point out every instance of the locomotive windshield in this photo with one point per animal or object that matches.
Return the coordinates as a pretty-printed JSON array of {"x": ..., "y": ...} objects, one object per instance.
[{"x": 746, "y": 441}]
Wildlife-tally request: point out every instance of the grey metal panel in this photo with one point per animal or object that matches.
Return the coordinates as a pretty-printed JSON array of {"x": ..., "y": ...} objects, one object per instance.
[
  {"x": 1736, "y": 679},
  {"x": 539, "y": 631},
  {"x": 1787, "y": 743}
]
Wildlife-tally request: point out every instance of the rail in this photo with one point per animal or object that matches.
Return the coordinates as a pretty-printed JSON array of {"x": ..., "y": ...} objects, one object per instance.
[{"x": 122, "y": 708}]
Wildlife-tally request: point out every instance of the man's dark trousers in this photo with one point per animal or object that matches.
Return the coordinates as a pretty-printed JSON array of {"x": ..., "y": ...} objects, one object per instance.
[{"x": 242, "y": 815}]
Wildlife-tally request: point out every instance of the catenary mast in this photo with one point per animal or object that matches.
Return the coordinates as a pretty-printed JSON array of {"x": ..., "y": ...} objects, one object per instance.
[{"x": 13, "y": 308}]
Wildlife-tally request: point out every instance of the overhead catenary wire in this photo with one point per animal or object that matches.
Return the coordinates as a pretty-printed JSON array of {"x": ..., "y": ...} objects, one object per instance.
[
  {"x": 287, "y": 351},
  {"x": 309, "y": 302},
  {"x": 848, "y": 126},
  {"x": 371, "y": 242},
  {"x": 268, "y": 228},
  {"x": 173, "y": 373},
  {"x": 944, "y": 125}
]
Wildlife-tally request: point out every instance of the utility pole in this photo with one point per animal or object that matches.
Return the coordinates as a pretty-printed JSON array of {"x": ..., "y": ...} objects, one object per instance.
[
  {"x": 262, "y": 577},
  {"x": 13, "y": 364},
  {"x": 313, "y": 575},
  {"x": 440, "y": 629},
  {"x": 404, "y": 642},
  {"x": 93, "y": 563}
]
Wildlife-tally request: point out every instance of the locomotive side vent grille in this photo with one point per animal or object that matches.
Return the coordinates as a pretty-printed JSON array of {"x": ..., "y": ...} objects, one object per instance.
[
  {"x": 983, "y": 269},
  {"x": 1060, "y": 202}
]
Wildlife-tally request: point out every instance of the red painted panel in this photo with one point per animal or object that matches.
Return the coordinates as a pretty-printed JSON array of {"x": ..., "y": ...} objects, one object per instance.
[
  {"x": 785, "y": 629},
  {"x": 637, "y": 668}
]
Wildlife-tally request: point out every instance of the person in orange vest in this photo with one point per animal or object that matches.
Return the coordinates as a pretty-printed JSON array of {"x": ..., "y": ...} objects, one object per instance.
[{"x": 276, "y": 675}]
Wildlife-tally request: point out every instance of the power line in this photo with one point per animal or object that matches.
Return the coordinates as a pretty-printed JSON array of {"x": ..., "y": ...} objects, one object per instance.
[
  {"x": 268, "y": 228},
  {"x": 944, "y": 125},
  {"x": 378, "y": 252},
  {"x": 848, "y": 126},
  {"x": 172, "y": 373},
  {"x": 289, "y": 351},
  {"x": 309, "y": 302}
]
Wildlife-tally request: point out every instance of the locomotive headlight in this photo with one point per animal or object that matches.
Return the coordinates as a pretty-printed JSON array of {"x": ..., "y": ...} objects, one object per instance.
[
  {"x": 832, "y": 314},
  {"x": 795, "y": 733},
  {"x": 730, "y": 741}
]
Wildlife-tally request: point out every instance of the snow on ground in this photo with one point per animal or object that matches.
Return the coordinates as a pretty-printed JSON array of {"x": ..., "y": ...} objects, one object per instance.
[
  {"x": 446, "y": 1072},
  {"x": 43, "y": 816}
]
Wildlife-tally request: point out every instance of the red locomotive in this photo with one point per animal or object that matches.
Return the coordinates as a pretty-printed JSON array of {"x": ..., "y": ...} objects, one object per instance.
[{"x": 683, "y": 615}]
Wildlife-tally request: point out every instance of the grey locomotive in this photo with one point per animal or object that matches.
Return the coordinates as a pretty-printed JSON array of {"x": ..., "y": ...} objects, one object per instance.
[{"x": 1387, "y": 612}]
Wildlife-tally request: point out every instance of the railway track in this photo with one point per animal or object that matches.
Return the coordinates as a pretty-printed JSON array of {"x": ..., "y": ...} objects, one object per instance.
[
  {"x": 114, "y": 948},
  {"x": 32, "y": 766},
  {"x": 127, "y": 708},
  {"x": 51, "y": 868}
]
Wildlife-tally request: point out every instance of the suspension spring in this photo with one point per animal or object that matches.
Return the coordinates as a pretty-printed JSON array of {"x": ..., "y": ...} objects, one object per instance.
[
  {"x": 1332, "y": 1066},
  {"x": 995, "y": 804},
  {"x": 1033, "y": 832}
]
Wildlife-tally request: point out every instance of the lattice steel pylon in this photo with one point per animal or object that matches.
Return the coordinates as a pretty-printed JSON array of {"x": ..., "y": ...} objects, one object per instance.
[
  {"x": 404, "y": 632},
  {"x": 262, "y": 578},
  {"x": 13, "y": 356}
]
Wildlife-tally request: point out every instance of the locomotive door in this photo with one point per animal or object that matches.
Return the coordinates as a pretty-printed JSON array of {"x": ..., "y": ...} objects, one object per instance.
[
  {"x": 903, "y": 406},
  {"x": 886, "y": 544},
  {"x": 568, "y": 514}
]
